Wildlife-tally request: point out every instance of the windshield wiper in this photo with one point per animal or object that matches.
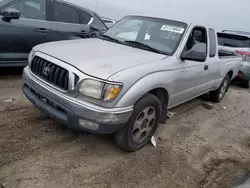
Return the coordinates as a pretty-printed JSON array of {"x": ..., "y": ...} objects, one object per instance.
[
  {"x": 110, "y": 38},
  {"x": 143, "y": 46}
]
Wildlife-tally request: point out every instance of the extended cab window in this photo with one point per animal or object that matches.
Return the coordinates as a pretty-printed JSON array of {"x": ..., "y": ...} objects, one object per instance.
[
  {"x": 212, "y": 39},
  {"x": 197, "y": 41},
  {"x": 31, "y": 9},
  {"x": 66, "y": 14}
]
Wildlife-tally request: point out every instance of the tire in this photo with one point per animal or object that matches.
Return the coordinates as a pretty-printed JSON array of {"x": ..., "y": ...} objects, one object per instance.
[
  {"x": 217, "y": 95},
  {"x": 245, "y": 83},
  {"x": 141, "y": 126}
]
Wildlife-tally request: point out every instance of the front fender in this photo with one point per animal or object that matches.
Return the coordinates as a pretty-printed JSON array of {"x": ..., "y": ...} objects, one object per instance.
[{"x": 143, "y": 86}]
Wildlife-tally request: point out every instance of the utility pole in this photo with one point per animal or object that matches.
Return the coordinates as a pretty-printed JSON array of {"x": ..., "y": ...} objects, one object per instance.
[{"x": 97, "y": 1}]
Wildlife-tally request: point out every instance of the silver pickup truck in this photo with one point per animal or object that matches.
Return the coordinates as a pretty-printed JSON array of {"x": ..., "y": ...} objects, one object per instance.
[{"x": 124, "y": 82}]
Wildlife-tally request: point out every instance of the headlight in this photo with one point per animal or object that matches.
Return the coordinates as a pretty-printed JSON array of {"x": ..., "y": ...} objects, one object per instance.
[
  {"x": 91, "y": 88},
  {"x": 31, "y": 55},
  {"x": 99, "y": 90}
]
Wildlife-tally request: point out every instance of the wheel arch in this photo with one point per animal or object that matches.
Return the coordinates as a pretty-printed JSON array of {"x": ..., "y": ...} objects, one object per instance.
[
  {"x": 230, "y": 74},
  {"x": 162, "y": 94}
]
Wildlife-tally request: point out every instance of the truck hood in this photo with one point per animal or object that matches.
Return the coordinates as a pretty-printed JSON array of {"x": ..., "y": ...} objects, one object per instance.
[{"x": 97, "y": 57}]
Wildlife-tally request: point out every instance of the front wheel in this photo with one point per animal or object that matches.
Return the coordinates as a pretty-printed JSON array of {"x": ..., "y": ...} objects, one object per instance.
[
  {"x": 217, "y": 95},
  {"x": 141, "y": 126}
]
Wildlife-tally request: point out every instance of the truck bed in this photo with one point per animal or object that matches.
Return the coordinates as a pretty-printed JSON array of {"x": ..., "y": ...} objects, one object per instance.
[{"x": 227, "y": 52}]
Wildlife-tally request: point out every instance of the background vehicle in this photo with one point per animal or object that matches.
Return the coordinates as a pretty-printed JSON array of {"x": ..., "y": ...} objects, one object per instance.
[
  {"x": 108, "y": 21},
  {"x": 244, "y": 33},
  {"x": 129, "y": 85},
  {"x": 241, "y": 45},
  {"x": 41, "y": 21}
]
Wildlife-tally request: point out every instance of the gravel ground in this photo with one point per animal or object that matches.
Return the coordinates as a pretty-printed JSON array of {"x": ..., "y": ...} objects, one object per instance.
[{"x": 198, "y": 148}]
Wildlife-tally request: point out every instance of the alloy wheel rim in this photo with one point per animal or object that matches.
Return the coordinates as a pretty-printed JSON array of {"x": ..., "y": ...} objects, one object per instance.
[
  {"x": 144, "y": 124},
  {"x": 223, "y": 89}
]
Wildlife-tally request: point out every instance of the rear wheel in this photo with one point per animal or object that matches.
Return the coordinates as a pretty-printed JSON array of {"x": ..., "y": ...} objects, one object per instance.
[
  {"x": 141, "y": 126},
  {"x": 217, "y": 95}
]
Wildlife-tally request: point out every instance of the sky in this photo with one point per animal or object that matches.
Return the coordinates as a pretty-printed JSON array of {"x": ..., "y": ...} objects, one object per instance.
[{"x": 219, "y": 14}]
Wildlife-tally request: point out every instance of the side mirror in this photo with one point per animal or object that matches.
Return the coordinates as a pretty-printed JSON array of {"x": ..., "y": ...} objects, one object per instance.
[
  {"x": 197, "y": 53},
  {"x": 10, "y": 13}
]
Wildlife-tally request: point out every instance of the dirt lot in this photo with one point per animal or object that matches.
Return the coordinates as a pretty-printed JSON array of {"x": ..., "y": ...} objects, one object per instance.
[{"x": 198, "y": 148}]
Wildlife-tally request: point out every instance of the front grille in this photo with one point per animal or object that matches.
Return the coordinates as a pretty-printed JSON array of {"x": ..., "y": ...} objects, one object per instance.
[{"x": 50, "y": 72}]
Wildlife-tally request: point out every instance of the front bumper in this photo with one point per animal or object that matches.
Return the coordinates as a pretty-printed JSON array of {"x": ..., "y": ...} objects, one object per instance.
[{"x": 72, "y": 112}]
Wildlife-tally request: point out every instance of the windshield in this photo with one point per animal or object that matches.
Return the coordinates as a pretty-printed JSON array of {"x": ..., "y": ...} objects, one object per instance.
[
  {"x": 159, "y": 34},
  {"x": 232, "y": 40}
]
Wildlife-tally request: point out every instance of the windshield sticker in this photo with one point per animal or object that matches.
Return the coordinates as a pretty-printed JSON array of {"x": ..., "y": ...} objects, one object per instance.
[{"x": 172, "y": 29}]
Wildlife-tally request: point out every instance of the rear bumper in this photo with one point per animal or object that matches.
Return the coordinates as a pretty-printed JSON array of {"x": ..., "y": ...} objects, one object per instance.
[{"x": 79, "y": 116}]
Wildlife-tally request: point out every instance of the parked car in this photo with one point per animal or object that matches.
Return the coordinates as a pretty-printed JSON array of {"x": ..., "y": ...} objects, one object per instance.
[
  {"x": 108, "y": 21},
  {"x": 245, "y": 33},
  {"x": 240, "y": 43},
  {"x": 27, "y": 23},
  {"x": 127, "y": 86}
]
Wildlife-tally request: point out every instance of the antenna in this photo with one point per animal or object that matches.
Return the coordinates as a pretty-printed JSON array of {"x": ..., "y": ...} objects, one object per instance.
[{"x": 97, "y": 1}]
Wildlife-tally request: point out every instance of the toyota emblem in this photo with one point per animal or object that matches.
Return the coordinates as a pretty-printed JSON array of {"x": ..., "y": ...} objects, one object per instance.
[{"x": 46, "y": 70}]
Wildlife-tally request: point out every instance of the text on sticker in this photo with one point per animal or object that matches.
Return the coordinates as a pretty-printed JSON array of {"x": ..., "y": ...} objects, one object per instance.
[{"x": 172, "y": 28}]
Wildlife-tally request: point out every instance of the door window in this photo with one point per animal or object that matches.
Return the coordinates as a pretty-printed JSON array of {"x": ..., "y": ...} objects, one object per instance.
[
  {"x": 197, "y": 41},
  {"x": 85, "y": 17},
  {"x": 32, "y": 9},
  {"x": 66, "y": 14},
  {"x": 98, "y": 23}
]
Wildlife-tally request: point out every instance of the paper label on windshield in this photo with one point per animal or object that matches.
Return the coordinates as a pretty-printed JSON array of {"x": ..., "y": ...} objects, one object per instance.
[{"x": 172, "y": 29}]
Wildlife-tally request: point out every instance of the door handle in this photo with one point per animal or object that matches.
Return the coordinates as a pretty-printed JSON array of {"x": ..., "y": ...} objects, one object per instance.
[
  {"x": 42, "y": 30},
  {"x": 83, "y": 33},
  {"x": 205, "y": 67}
]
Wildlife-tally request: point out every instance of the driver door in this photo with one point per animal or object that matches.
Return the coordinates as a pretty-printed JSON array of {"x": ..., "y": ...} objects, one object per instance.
[{"x": 192, "y": 79}]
